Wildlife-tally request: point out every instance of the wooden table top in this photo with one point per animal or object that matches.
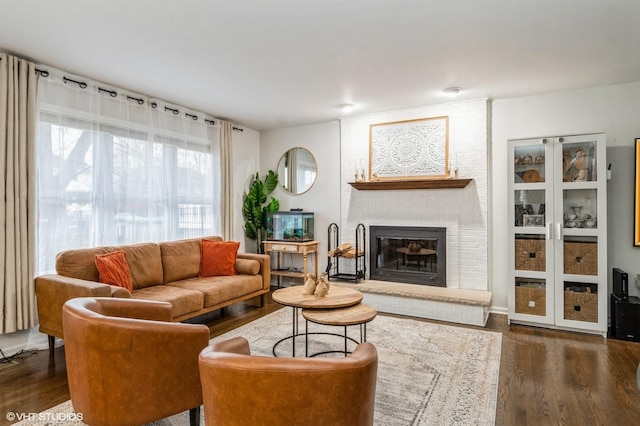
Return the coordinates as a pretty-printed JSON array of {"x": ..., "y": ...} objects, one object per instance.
[
  {"x": 338, "y": 297},
  {"x": 352, "y": 315}
]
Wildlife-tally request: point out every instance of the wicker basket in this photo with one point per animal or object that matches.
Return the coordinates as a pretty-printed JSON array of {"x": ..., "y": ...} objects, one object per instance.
[
  {"x": 581, "y": 306},
  {"x": 531, "y": 300},
  {"x": 530, "y": 254},
  {"x": 581, "y": 258}
]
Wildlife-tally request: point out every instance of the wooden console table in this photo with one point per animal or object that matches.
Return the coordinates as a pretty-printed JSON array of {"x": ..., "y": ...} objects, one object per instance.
[{"x": 305, "y": 249}]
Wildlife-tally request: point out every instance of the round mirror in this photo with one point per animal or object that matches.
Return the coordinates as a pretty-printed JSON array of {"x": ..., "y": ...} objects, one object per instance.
[{"x": 297, "y": 171}]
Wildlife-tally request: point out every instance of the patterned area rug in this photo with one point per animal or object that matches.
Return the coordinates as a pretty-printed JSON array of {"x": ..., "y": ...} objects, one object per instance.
[{"x": 428, "y": 374}]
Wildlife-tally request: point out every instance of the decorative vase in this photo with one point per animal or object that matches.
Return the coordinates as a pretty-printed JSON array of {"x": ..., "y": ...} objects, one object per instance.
[
  {"x": 321, "y": 289},
  {"x": 413, "y": 246},
  {"x": 325, "y": 280},
  {"x": 309, "y": 286}
]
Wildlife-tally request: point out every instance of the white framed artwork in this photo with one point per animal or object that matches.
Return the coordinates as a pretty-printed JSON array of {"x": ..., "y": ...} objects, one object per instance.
[{"x": 410, "y": 149}]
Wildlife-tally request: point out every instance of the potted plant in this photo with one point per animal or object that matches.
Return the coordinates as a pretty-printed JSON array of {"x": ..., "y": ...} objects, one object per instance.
[{"x": 255, "y": 207}]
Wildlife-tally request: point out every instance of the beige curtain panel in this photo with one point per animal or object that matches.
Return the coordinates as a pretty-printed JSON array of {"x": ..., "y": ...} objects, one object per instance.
[
  {"x": 18, "y": 111},
  {"x": 226, "y": 180}
]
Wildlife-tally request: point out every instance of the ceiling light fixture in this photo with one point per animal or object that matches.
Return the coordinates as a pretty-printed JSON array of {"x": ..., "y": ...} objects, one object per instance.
[
  {"x": 452, "y": 91},
  {"x": 347, "y": 108}
]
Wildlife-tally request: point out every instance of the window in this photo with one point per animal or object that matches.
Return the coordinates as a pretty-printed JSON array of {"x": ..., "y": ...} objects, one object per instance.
[{"x": 105, "y": 181}]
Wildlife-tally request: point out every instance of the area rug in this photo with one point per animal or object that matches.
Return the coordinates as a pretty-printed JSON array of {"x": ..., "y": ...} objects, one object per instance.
[{"x": 428, "y": 374}]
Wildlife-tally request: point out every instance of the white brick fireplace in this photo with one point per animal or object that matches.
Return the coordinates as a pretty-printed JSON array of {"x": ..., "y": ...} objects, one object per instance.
[{"x": 463, "y": 212}]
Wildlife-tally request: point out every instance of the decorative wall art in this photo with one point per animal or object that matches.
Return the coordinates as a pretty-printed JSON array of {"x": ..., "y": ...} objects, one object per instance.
[
  {"x": 636, "y": 215},
  {"x": 411, "y": 149}
]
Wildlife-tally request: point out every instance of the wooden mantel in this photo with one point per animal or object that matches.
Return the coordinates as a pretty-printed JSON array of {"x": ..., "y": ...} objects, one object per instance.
[{"x": 411, "y": 184}]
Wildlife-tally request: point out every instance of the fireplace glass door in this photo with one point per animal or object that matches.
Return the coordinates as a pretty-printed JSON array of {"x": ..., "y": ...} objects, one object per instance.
[{"x": 407, "y": 255}]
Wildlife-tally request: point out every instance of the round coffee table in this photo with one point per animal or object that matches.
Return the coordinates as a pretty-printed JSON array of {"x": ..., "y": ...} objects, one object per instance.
[
  {"x": 359, "y": 314},
  {"x": 338, "y": 297}
]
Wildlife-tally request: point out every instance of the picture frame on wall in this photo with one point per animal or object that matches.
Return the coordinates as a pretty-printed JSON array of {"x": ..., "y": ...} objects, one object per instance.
[{"x": 410, "y": 149}]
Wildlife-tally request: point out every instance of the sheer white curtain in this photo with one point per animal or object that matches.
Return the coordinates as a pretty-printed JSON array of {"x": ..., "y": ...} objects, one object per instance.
[{"x": 118, "y": 168}]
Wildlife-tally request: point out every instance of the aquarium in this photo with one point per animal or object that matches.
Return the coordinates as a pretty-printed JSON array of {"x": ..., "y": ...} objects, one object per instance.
[{"x": 290, "y": 226}]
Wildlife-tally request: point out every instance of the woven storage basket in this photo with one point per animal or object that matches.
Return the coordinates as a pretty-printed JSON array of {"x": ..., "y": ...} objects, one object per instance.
[
  {"x": 530, "y": 255},
  {"x": 581, "y": 258},
  {"x": 580, "y": 306},
  {"x": 537, "y": 295}
]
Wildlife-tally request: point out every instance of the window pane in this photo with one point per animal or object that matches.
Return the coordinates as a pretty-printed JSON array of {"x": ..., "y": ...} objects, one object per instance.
[{"x": 106, "y": 188}]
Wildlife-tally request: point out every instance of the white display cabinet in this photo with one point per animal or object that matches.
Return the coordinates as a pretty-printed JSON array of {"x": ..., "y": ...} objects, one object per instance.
[{"x": 557, "y": 232}]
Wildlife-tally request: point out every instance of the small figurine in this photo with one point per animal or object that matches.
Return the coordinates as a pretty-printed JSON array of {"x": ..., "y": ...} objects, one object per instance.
[
  {"x": 321, "y": 289},
  {"x": 580, "y": 163},
  {"x": 323, "y": 278},
  {"x": 309, "y": 286}
]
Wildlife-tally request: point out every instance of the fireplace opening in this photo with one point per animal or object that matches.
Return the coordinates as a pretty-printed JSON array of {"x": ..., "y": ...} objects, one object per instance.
[{"x": 408, "y": 254}]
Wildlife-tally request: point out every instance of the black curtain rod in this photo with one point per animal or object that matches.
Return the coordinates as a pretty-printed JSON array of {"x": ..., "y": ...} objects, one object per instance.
[
  {"x": 140, "y": 101},
  {"x": 82, "y": 84},
  {"x": 238, "y": 129},
  {"x": 112, "y": 93}
]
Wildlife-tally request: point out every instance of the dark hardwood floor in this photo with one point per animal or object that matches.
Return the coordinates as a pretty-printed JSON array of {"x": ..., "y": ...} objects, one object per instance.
[{"x": 546, "y": 377}]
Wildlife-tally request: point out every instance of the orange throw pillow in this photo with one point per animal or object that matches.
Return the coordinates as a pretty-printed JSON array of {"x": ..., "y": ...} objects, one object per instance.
[
  {"x": 218, "y": 258},
  {"x": 113, "y": 269}
]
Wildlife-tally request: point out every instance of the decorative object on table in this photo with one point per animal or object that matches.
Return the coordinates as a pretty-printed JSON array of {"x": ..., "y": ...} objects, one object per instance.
[
  {"x": 414, "y": 246},
  {"x": 321, "y": 289},
  {"x": 310, "y": 286},
  {"x": 323, "y": 278},
  {"x": 255, "y": 207},
  {"x": 411, "y": 149}
]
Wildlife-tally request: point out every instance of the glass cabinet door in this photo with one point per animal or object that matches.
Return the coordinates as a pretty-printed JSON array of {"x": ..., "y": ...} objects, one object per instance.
[
  {"x": 532, "y": 262},
  {"x": 581, "y": 252}
]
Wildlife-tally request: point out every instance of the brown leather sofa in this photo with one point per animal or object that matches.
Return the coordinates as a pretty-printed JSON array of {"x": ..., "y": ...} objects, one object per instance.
[
  {"x": 128, "y": 364},
  {"x": 166, "y": 272},
  {"x": 240, "y": 389}
]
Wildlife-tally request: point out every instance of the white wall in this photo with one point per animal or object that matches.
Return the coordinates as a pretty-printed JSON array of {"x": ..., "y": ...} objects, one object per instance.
[
  {"x": 246, "y": 162},
  {"x": 613, "y": 110},
  {"x": 323, "y": 199},
  {"x": 463, "y": 212}
]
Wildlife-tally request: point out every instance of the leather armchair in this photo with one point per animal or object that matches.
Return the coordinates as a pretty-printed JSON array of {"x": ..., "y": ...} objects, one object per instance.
[
  {"x": 241, "y": 389},
  {"x": 128, "y": 364}
]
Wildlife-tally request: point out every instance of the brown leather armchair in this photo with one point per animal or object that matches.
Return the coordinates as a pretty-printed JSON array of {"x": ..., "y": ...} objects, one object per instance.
[
  {"x": 128, "y": 364},
  {"x": 240, "y": 389}
]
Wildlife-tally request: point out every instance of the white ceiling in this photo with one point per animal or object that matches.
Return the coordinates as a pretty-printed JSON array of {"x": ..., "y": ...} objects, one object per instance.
[{"x": 281, "y": 63}]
